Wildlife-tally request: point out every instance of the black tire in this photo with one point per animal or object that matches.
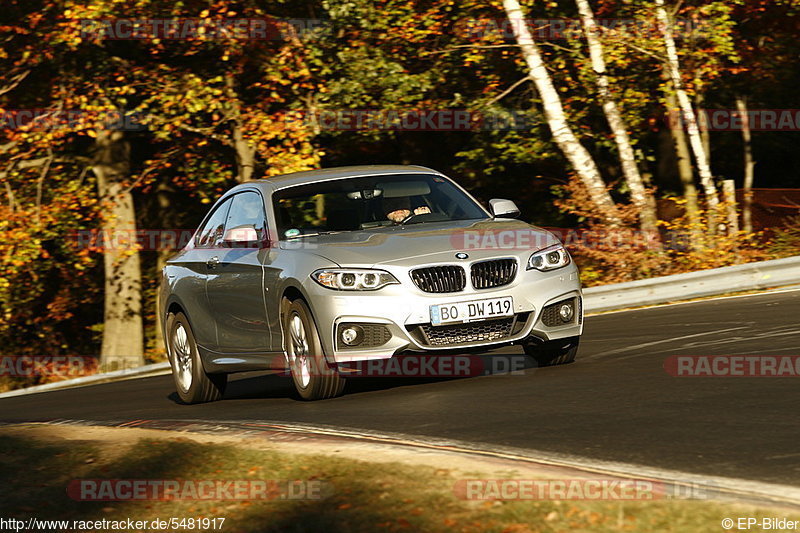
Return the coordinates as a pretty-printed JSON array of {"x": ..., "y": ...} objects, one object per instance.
[
  {"x": 191, "y": 381},
  {"x": 551, "y": 353},
  {"x": 313, "y": 377}
]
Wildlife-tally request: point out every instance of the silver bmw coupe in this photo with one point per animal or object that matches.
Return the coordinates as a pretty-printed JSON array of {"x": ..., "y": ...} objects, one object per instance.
[{"x": 313, "y": 271}]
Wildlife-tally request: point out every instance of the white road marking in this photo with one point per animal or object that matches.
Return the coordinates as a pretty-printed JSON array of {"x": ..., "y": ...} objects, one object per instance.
[{"x": 655, "y": 343}]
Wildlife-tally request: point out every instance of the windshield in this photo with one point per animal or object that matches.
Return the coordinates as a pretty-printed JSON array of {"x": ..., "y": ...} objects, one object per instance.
[{"x": 370, "y": 202}]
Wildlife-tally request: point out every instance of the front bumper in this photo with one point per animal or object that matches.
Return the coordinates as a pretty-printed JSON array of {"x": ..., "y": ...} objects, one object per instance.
[{"x": 404, "y": 311}]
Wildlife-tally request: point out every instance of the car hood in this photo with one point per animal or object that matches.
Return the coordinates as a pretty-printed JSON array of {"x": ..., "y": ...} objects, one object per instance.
[{"x": 426, "y": 243}]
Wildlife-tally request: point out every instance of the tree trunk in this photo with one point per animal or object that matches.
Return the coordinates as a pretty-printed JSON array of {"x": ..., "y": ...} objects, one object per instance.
[
  {"x": 684, "y": 162},
  {"x": 640, "y": 196},
  {"x": 688, "y": 115},
  {"x": 123, "y": 343},
  {"x": 164, "y": 200},
  {"x": 575, "y": 152},
  {"x": 703, "y": 125},
  {"x": 245, "y": 153},
  {"x": 729, "y": 194},
  {"x": 684, "y": 156},
  {"x": 749, "y": 166}
]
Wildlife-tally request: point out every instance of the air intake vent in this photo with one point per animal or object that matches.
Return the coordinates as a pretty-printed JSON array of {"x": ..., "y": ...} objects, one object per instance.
[
  {"x": 451, "y": 335},
  {"x": 448, "y": 278},
  {"x": 494, "y": 273}
]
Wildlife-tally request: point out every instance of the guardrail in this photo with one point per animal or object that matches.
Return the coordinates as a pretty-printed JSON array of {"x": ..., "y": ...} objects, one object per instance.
[
  {"x": 750, "y": 276},
  {"x": 712, "y": 282},
  {"x": 156, "y": 369}
]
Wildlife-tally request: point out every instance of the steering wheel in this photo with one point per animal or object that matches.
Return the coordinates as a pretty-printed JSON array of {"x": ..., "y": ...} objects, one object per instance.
[{"x": 411, "y": 216}]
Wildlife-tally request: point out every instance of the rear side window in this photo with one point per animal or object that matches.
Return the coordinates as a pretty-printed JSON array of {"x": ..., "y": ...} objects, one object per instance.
[
  {"x": 247, "y": 211},
  {"x": 211, "y": 233}
]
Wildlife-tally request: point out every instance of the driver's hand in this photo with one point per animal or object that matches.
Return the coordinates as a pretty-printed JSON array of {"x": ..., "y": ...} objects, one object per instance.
[
  {"x": 422, "y": 210},
  {"x": 398, "y": 215}
]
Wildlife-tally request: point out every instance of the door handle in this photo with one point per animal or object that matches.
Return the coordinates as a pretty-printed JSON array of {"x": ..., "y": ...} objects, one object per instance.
[{"x": 213, "y": 262}]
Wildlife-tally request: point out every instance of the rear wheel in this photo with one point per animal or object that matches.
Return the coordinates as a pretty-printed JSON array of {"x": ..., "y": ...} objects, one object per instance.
[
  {"x": 313, "y": 378},
  {"x": 191, "y": 381},
  {"x": 550, "y": 353}
]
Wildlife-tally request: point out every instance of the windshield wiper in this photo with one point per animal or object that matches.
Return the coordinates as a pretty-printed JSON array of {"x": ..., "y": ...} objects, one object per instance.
[
  {"x": 315, "y": 234},
  {"x": 377, "y": 224}
]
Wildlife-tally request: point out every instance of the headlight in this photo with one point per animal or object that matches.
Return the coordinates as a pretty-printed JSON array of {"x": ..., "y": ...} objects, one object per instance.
[
  {"x": 350, "y": 279},
  {"x": 549, "y": 259}
]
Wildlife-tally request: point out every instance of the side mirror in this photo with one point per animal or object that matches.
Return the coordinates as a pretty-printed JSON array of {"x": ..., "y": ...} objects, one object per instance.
[
  {"x": 244, "y": 237},
  {"x": 504, "y": 208}
]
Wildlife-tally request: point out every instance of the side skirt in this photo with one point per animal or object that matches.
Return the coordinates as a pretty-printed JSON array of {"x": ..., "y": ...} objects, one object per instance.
[{"x": 227, "y": 363}]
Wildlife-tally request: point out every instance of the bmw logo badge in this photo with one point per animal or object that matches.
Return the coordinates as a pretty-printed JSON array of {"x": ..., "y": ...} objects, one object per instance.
[{"x": 461, "y": 255}]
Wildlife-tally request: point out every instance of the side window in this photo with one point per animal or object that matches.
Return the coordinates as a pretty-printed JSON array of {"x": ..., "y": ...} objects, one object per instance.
[
  {"x": 210, "y": 235},
  {"x": 247, "y": 211}
]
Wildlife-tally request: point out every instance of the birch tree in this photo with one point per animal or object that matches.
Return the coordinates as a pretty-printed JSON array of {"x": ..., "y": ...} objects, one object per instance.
[
  {"x": 639, "y": 194},
  {"x": 578, "y": 156},
  {"x": 687, "y": 111}
]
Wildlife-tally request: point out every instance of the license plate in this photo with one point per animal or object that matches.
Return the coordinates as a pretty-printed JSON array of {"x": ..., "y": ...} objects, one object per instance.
[{"x": 472, "y": 310}]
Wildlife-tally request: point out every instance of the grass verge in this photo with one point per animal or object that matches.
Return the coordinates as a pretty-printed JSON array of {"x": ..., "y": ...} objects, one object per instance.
[{"x": 361, "y": 495}]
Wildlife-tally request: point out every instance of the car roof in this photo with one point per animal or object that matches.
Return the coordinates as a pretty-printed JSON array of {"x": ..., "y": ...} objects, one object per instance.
[{"x": 324, "y": 174}]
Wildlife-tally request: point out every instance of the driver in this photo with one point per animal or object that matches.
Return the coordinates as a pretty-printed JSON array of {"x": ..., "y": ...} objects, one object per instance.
[{"x": 399, "y": 209}]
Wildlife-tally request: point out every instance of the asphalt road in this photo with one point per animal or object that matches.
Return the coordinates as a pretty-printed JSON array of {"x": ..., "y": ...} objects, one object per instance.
[{"x": 616, "y": 402}]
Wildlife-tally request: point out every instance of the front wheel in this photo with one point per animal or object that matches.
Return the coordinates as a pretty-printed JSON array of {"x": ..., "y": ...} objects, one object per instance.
[
  {"x": 191, "y": 381},
  {"x": 550, "y": 353},
  {"x": 313, "y": 378}
]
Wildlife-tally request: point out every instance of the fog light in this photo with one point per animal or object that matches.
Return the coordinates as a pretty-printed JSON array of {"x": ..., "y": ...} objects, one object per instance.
[
  {"x": 566, "y": 312},
  {"x": 352, "y": 335}
]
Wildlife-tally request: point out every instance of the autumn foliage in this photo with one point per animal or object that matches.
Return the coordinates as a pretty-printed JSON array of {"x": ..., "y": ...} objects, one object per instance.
[
  {"x": 196, "y": 115},
  {"x": 609, "y": 254}
]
